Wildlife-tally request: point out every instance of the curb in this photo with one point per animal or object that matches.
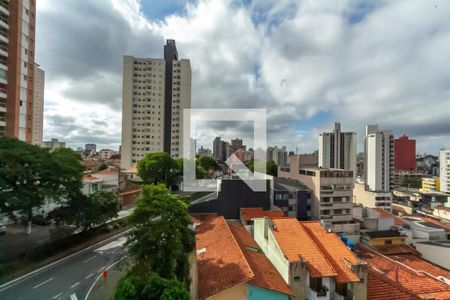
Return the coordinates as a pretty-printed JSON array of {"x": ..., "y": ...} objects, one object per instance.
[{"x": 46, "y": 267}]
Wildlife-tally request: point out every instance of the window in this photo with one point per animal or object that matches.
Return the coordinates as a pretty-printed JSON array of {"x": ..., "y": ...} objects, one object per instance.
[
  {"x": 388, "y": 242},
  {"x": 341, "y": 289},
  {"x": 296, "y": 278}
]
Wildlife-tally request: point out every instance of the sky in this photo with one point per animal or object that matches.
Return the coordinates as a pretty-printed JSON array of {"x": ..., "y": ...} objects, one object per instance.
[{"x": 309, "y": 63}]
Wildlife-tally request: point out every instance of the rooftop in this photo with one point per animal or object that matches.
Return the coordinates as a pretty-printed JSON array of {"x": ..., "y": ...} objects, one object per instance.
[
  {"x": 419, "y": 283},
  {"x": 296, "y": 245},
  {"x": 383, "y": 213},
  {"x": 266, "y": 276},
  {"x": 335, "y": 251},
  {"x": 378, "y": 287},
  {"x": 108, "y": 172},
  {"x": 90, "y": 178},
  {"x": 417, "y": 263},
  {"x": 250, "y": 213},
  {"x": 219, "y": 267},
  {"x": 442, "y": 225},
  {"x": 440, "y": 207},
  {"x": 281, "y": 183},
  {"x": 382, "y": 234}
]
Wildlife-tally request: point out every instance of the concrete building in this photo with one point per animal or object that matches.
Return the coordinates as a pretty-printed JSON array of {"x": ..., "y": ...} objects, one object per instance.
[
  {"x": 277, "y": 155},
  {"x": 38, "y": 105},
  {"x": 221, "y": 149},
  {"x": 372, "y": 199},
  {"x": 337, "y": 150},
  {"x": 236, "y": 144},
  {"x": 437, "y": 252},
  {"x": 91, "y": 184},
  {"x": 204, "y": 152},
  {"x": 90, "y": 147},
  {"x": 405, "y": 154},
  {"x": 155, "y": 92},
  {"x": 331, "y": 192},
  {"x": 17, "y": 44},
  {"x": 430, "y": 184},
  {"x": 444, "y": 170},
  {"x": 442, "y": 212},
  {"x": 315, "y": 263},
  {"x": 106, "y": 154},
  {"x": 53, "y": 144},
  {"x": 379, "y": 159}
]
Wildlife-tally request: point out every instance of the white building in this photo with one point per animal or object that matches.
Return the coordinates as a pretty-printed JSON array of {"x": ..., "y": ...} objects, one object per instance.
[
  {"x": 53, "y": 144},
  {"x": 337, "y": 150},
  {"x": 379, "y": 159},
  {"x": 155, "y": 92},
  {"x": 372, "y": 199},
  {"x": 106, "y": 154},
  {"x": 38, "y": 105},
  {"x": 444, "y": 170}
]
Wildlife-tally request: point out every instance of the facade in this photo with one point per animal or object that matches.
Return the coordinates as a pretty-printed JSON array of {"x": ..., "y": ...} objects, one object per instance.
[
  {"x": 405, "y": 154},
  {"x": 372, "y": 199},
  {"x": 442, "y": 212},
  {"x": 437, "y": 252},
  {"x": 155, "y": 92},
  {"x": 331, "y": 194},
  {"x": 17, "y": 44},
  {"x": 444, "y": 170},
  {"x": 106, "y": 154},
  {"x": 53, "y": 144},
  {"x": 90, "y": 147},
  {"x": 379, "y": 159},
  {"x": 236, "y": 144},
  {"x": 315, "y": 263},
  {"x": 221, "y": 149},
  {"x": 204, "y": 152},
  {"x": 38, "y": 105},
  {"x": 430, "y": 184},
  {"x": 292, "y": 197},
  {"x": 91, "y": 184},
  {"x": 278, "y": 155},
  {"x": 337, "y": 150}
]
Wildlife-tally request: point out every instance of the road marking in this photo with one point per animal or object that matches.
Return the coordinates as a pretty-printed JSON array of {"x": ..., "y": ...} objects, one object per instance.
[
  {"x": 89, "y": 259},
  {"x": 57, "y": 296},
  {"x": 90, "y": 275},
  {"x": 98, "y": 278},
  {"x": 42, "y": 283},
  {"x": 73, "y": 297},
  {"x": 74, "y": 285}
]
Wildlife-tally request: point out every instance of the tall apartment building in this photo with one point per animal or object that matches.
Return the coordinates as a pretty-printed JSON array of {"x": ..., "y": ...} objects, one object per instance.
[
  {"x": 337, "y": 150},
  {"x": 155, "y": 92},
  {"x": 17, "y": 43},
  {"x": 278, "y": 155},
  {"x": 444, "y": 171},
  {"x": 38, "y": 105},
  {"x": 405, "y": 154},
  {"x": 221, "y": 149},
  {"x": 236, "y": 144},
  {"x": 331, "y": 194},
  {"x": 379, "y": 159}
]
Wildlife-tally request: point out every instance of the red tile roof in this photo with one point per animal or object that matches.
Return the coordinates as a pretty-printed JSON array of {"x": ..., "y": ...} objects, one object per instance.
[
  {"x": 296, "y": 244},
  {"x": 417, "y": 263},
  {"x": 108, "y": 172},
  {"x": 398, "y": 221},
  {"x": 445, "y": 226},
  {"x": 379, "y": 288},
  {"x": 266, "y": 276},
  {"x": 89, "y": 177},
  {"x": 219, "y": 267},
  {"x": 130, "y": 192},
  {"x": 132, "y": 170},
  {"x": 420, "y": 284},
  {"x": 395, "y": 249},
  {"x": 335, "y": 251},
  {"x": 257, "y": 212}
]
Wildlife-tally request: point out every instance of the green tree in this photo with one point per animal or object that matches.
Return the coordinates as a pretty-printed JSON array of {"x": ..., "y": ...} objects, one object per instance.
[
  {"x": 87, "y": 211},
  {"x": 207, "y": 163},
  {"x": 30, "y": 175},
  {"x": 271, "y": 167},
  {"x": 156, "y": 168},
  {"x": 160, "y": 236}
]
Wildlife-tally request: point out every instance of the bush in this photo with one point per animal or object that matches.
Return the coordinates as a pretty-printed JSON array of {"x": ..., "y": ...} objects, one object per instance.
[{"x": 61, "y": 232}]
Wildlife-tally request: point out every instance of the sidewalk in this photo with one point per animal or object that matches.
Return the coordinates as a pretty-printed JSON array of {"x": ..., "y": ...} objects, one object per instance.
[{"x": 104, "y": 289}]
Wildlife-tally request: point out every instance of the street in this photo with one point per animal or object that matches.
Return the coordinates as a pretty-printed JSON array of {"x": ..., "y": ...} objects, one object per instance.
[{"x": 69, "y": 279}]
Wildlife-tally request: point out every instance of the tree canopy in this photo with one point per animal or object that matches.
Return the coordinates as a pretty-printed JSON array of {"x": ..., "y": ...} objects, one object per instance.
[
  {"x": 271, "y": 167},
  {"x": 157, "y": 168},
  {"x": 207, "y": 163},
  {"x": 29, "y": 175},
  {"x": 160, "y": 234}
]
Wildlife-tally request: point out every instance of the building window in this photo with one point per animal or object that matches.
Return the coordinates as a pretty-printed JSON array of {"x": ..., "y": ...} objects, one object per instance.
[
  {"x": 296, "y": 278},
  {"x": 388, "y": 242}
]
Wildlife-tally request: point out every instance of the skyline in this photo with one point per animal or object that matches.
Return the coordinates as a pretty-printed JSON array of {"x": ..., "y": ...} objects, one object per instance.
[{"x": 310, "y": 63}]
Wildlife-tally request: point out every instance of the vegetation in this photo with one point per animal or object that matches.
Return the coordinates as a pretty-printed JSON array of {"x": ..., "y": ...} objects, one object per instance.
[
  {"x": 271, "y": 167},
  {"x": 87, "y": 211},
  {"x": 159, "y": 243},
  {"x": 207, "y": 163},
  {"x": 157, "y": 168},
  {"x": 29, "y": 175}
]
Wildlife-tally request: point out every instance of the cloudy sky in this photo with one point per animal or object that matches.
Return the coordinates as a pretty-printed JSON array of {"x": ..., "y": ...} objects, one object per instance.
[{"x": 308, "y": 62}]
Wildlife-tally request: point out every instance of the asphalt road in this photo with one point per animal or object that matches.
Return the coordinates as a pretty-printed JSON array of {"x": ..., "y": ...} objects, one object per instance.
[{"x": 69, "y": 279}]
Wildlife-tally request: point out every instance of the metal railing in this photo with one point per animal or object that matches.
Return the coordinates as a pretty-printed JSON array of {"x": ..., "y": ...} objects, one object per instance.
[
  {"x": 4, "y": 4},
  {"x": 4, "y": 19}
]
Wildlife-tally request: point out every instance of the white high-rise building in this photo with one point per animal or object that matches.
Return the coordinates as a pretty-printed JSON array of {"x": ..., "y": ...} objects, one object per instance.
[
  {"x": 444, "y": 170},
  {"x": 337, "y": 150},
  {"x": 38, "y": 105},
  {"x": 155, "y": 92},
  {"x": 379, "y": 159}
]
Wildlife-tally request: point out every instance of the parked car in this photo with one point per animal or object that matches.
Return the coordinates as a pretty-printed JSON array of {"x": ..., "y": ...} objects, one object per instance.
[{"x": 2, "y": 229}]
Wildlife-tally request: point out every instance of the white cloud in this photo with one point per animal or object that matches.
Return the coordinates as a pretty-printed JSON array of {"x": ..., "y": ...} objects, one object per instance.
[{"x": 379, "y": 62}]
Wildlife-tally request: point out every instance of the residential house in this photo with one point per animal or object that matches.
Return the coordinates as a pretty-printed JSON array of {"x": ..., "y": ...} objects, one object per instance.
[
  {"x": 91, "y": 184},
  {"x": 442, "y": 212},
  {"x": 315, "y": 263}
]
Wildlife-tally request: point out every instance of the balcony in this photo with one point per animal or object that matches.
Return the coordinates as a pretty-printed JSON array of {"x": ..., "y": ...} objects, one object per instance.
[
  {"x": 4, "y": 21},
  {"x": 4, "y": 7},
  {"x": 4, "y": 35}
]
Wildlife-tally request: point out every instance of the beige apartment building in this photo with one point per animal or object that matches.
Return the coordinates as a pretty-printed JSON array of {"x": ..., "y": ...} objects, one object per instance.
[
  {"x": 155, "y": 92},
  {"x": 17, "y": 44},
  {"x": 38, "y": 106},
  {"x": 372, "y": 199},
  {"x": 331, "y": 194}
]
